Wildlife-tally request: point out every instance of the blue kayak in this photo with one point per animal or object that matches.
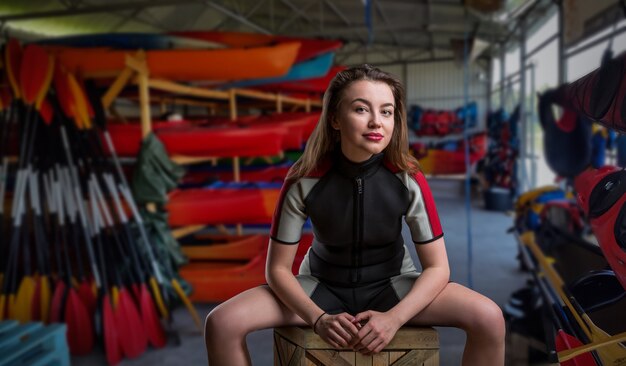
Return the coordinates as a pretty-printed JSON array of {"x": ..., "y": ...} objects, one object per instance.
[
  {"x": 313, "y": 68},
  {"x": 130, "y": 41}
]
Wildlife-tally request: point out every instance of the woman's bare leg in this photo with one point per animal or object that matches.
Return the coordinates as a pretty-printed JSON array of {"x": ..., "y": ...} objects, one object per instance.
[
  {"x": 480, "y": 318},
  {"x": 228, "y": 324}
]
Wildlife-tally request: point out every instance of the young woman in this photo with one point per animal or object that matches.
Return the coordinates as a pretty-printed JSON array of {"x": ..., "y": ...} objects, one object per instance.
[{"x": 357, "y": 284}]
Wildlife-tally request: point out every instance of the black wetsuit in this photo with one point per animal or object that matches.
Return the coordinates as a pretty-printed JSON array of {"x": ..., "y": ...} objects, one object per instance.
[{"x": 358, "y": 260}]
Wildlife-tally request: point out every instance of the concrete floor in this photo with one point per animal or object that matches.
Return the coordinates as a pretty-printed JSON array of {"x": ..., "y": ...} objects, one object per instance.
[{"x": 494, "y": 270}]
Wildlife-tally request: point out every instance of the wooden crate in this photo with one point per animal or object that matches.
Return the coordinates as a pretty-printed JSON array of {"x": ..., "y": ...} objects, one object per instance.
[
  {"x": 33, "y": 344},
  {"x": 300, "y": 346}
]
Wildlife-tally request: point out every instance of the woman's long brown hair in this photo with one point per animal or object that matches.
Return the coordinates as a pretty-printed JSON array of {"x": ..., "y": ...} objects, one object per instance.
[{"x": 324, "y": 138}]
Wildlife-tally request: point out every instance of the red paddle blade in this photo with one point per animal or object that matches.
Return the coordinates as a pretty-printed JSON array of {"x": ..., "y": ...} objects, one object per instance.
[
  {"x": 62, "y": 88},
  {"x": 12, "y": 61},
  {"x": 33, "y": 72},
  {"x": 57, "y": 302},
  {"x": 46, "y": 112},
  {"x": 79, "y": 327},
  {"x": 132, "y": 336},
  {"x": 112, "y": 346},
  {"x": 35, "y": 308},
  {"x": 565, "y": 341},
  {"x": 150, "y": 319},
  {"x": 87, "y": 297}
]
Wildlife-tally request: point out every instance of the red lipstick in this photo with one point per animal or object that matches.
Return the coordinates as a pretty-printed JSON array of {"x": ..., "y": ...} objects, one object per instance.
[{"x": 373, "y": 136}]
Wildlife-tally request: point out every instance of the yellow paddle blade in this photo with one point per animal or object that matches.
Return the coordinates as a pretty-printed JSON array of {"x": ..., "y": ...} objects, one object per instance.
[
  {"x": 187, "y": 302},
  {"x": 158, "y": 299},
  {"x": 11, "y": 305},
  {"x": 80, "y": 102},
  {"x": 46, "y": 298},
  {"x": 24, "y": 300},
  {"x": 74, "y": 282},
  {"x": 115, "y": 295},
  {"x": 3, "y": 300}
]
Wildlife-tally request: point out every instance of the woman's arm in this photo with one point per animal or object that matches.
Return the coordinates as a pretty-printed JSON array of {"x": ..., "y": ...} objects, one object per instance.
[
  {"x": 337, "y": 330},
  {"x": 381, "y": 327}
]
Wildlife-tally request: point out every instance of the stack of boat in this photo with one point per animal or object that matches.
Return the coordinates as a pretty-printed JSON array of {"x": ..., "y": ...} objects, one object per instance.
[{"x": 219, "y": 266}]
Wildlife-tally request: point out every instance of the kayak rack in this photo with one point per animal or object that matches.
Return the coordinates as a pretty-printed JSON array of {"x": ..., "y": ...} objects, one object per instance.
[{"x": 137, "y": 73}]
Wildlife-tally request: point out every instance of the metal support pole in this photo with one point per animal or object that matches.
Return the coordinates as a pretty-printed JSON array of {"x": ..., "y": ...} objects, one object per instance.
[
  {"x": 562, "y": 63},
  {"x": 502, "y": 74},
  {"x": 533, "y": 122},
  {"x": 522, "y": 170}
]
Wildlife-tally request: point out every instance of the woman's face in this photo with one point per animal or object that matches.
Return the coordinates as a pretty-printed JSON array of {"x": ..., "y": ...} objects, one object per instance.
[{"x": 365, "y": 119}]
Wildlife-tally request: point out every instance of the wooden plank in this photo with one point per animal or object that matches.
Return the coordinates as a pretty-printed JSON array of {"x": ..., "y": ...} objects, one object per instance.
[
  {"x": 114, "y": 90},
  {"x": 255, "y": 94},
  {"x": 395, "y": 356},
  {"x": 415, "y": 357},
  {"x": 331, "y": 357},
  {"x": 172, "y": 87},
  {"x": 362, "y": 360},
  {"x": 433, "y": 361},
  {"x": 380, "y": 359},
  {"x": 144, "y": 102},
  {"x": 186, "y": 230}
]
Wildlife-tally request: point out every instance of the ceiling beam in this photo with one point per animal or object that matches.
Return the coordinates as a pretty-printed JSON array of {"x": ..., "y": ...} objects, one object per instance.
[
  {"x": 300, "y": 13},
  {"x": 384, "y": 17},
  {"x": 237, "y": 17},
  {"x": 247, "y": 15}
]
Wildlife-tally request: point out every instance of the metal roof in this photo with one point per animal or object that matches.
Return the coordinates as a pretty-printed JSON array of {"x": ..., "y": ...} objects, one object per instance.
[{"x": 404, "y": 29}]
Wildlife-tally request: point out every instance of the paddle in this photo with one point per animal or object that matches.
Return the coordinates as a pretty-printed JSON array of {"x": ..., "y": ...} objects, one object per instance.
[
  {"x": 149, "y": 317},
  {"x": 7, "y": 298},
  {"x": 134, "y": 340},
  {"x": 76, "y": 316},
  {"x": 112, "y": 344},
  {"x": 603, "y": 344},
  {"x": 563, "y": 340},
  {"x": 35, "y": 76},
  {"x": 96, "y": 106}
]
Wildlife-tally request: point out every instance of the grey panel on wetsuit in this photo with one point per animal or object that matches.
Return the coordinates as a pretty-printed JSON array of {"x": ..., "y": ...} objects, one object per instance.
[
  {"x": 290, "y": 212},
  {"x": 417, "y": 216},
  {"x": 403, "y": 283}
]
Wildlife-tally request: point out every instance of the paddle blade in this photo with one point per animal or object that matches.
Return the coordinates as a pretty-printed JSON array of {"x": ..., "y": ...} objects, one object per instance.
[
  {"x": 133, "y": 339},
  {"x": 3, "y": 300},
  {"x": 80, "y": 101},
  {"x": 86, "y": 295},
  {"x": 79, "y": 328},
  {"x": 181, "y": 294},
  {"x": 565, "y": 341},
  {"x": 56, "y": 307},
  {"x": 24, "y": 300},
  {"x": 46, "y": 112},
  {"x": 12, "y": 61},
  {"x": 34, "y": 72},
  {"x": 44, "y": 298},
  {"x": 35, "y": 309},
  {"x": 112, "y": 346},
  {"x": 158, "y": 299},
  {"x": 62, "y": 88},
  {"x": 150, "y": 319}
]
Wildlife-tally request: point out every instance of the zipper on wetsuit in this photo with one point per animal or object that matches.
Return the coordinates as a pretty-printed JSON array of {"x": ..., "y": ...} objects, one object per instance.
[{"x": 358, "y": 231}]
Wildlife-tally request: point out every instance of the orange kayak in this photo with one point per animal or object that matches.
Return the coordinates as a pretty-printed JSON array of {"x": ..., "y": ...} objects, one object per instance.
[
  {"x": 215, "y": 281},
  {"x": 309, "y": 49},
  {"x": 222, "y": 247},
  {"x": 187, "y": 65}
]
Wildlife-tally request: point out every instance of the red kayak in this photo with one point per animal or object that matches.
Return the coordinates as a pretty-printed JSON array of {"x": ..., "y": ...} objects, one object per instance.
[
  {"x": 266, "y": 174},
  {"x": 209, "y": 206},
  {"x": 309, "y": 47},
  {"x": 248, "y": 136},
  {"x": 216, "y": 281}
]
